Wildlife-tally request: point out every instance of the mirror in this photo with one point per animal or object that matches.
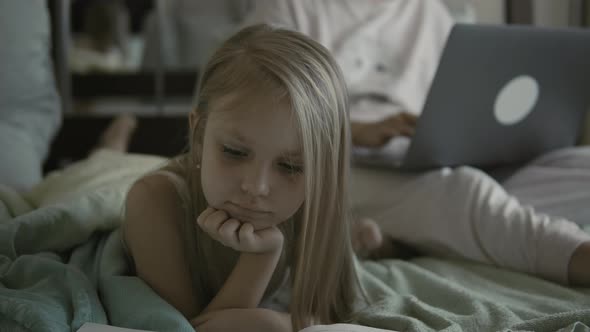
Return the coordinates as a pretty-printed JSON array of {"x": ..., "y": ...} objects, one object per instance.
[{"x": 143, "y": 56}]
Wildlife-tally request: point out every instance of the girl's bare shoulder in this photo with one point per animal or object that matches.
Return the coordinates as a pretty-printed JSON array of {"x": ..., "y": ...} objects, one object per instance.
[
  {"x": 153, "y": 213},
  {"x": 153, "y": 198},
  {"x": 152, "y": 231},
  {"x": 160, "y": 188}
]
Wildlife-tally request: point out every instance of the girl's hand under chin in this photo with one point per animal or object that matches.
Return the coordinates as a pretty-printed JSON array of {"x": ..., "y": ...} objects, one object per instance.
[{"x": 238, "y": 235}]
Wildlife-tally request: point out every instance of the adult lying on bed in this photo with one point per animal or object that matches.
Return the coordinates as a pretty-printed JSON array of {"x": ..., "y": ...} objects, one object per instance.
[{"x": 388, "y": 51}]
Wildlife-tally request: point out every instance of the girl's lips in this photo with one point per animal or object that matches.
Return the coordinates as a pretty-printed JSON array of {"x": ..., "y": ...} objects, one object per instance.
[
  {"x": 247, "y": 208},
  {"x": 243, "y": 213}
]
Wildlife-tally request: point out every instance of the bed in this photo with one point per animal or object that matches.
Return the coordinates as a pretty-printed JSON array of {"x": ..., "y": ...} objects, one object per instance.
[{"x": 63, "y": 265}]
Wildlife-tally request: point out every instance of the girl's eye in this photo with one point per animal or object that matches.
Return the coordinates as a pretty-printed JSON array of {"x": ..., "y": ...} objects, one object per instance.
[
  {"x": 291, "y": 169},
  {"x": 233, "y": 153}
]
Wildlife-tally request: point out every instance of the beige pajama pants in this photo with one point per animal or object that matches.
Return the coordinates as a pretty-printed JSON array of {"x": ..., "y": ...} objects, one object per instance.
[{"x": 464, "y": 213}]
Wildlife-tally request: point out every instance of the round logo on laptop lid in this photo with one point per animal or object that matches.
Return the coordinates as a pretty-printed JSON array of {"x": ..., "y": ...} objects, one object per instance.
[{"x": 516, "y": 100}]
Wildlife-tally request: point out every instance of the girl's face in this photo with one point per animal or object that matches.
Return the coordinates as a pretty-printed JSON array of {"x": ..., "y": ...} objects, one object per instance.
[{"x": 251, "y": 161}]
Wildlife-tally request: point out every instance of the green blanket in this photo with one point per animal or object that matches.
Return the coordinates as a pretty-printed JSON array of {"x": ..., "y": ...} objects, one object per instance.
[{"x": 62, "y": 264}]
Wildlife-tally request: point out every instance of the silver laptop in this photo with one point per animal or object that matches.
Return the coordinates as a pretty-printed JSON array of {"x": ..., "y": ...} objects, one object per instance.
[{"x": 502, "y": 95}]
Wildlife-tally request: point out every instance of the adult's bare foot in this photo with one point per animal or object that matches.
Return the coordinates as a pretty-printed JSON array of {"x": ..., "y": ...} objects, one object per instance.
[
  {"x": 579, "y": 266},
  {"x": 369, "y": 242},
  {"x": 366, "y": 236},
  {"x": 118, "y": 133}
]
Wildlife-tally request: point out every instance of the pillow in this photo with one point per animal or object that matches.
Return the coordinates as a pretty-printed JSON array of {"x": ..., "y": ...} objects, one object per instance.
[{"x": 29, "y": 104}]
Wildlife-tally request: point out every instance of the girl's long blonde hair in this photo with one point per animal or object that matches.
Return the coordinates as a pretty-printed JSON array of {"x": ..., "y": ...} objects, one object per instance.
[{"x": 325, "y": 284}]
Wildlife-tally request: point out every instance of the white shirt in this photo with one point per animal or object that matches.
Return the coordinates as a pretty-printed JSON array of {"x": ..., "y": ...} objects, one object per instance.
[{"x": 388, "y": 49}]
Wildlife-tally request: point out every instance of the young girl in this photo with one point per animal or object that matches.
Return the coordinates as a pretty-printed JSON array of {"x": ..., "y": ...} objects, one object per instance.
[
  {"x": 260, "y": 200},
  {"x": 261, "y": 191}
]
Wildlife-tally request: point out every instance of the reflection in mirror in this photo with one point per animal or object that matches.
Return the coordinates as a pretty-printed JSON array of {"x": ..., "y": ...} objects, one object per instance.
[
  {"x": 131, "y": 35},
  {"x": 106, "y": 35},
  {"x": 142, "y": 56},
  {"x": 189, "y": 30}
]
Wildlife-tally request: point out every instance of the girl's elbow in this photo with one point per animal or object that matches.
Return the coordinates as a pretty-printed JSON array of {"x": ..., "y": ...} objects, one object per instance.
[
  {"x": 212, "y": 322},
  {"x": 199, "y": 324},
  {"x": 203, "y": 327}
]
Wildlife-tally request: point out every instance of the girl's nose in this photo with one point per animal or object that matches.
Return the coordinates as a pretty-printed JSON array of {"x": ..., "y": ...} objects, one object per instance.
[{"x": 256, "y": 181}]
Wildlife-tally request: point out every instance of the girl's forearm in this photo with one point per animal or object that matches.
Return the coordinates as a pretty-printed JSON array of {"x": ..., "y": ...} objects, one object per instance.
[
  {"x": 247, "y": 282},
  {"x": 244, "y": 320}
]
